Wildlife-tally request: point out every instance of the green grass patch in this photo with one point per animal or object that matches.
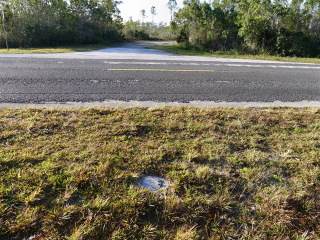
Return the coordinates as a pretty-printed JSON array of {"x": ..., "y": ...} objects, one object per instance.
[
  {"x": 176, "y": 49},
  {"x": 243, "y": 173},
  {"x": 64, "y": 49}
]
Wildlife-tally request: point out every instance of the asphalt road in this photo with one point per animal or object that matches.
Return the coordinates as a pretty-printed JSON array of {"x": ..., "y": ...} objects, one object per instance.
[{"x": 131, "y": 73}]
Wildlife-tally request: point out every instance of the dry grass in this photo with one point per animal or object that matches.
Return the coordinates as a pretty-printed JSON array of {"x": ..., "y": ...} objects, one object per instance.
[
  {"x": 242, "y": 173},
  {"x": 66, "y": 49}
]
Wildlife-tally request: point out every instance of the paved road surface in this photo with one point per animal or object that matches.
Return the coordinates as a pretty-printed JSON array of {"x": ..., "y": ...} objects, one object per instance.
[{"x": 133, "y": 75}]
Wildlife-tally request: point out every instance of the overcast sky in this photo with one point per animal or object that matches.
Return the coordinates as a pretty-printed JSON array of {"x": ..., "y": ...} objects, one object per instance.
[{"x": 132, "y": 8}]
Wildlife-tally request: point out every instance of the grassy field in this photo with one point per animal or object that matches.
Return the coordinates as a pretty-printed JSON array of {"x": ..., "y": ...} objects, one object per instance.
[
  {"x": 174, "y": 48},
  {"x": 244, "y": 173},
  {"x": 65, "y": 49}
]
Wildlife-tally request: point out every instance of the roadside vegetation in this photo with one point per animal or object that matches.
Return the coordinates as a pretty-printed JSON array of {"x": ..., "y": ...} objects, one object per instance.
[
  {"x": 51, "y": 23},
  {"x": 136, "y": 30},
  {"x": 243, "y": 173},
  {"x": 285, "y": 28},
  {"x": 177, "y": 49},
  {"x": 253, "y": 28},
  {"x": 65, "y": 49}
]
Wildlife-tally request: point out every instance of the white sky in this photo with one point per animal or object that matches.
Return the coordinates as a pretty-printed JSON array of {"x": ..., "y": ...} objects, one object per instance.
[{"x": 132, "y": 8}]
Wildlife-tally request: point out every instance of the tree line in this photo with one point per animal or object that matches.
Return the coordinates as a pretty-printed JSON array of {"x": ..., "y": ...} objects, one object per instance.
[
  {"x": 35, "y": 23},
  {"x": 141, "y": 30},
  {"x": 138, "y": 30},
  {"x": 275, "y": 27}
]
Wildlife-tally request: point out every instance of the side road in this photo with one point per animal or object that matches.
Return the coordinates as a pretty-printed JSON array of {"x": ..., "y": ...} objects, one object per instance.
[{"x": 139, "y": 47}]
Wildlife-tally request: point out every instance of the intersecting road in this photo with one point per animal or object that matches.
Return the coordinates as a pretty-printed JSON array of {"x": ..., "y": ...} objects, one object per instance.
[{"x": 133, "y": 73}]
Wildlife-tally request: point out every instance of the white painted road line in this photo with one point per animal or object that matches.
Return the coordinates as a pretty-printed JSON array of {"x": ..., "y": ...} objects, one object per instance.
[
  {"x": 159, "y": 70},
  {"x": 215, "y": 64}
]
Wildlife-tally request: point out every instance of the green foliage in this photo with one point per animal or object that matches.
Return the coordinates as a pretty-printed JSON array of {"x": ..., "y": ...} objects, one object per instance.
[
  {"x": 252, "y": 26},
  {"x": 279, "y": 27},
  {"x": 207, "y": 27},
  {"x": 58, "y": 22},
  {"x": 136, "y": 30}
]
